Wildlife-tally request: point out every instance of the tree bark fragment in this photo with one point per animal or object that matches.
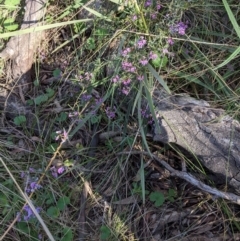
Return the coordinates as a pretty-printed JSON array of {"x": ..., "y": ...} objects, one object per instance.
[
  {"x": 20, "y": 52},
  {"x": 208, "y": 133}
]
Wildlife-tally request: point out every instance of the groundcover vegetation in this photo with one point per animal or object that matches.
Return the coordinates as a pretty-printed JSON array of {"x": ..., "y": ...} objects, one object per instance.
[{"x": 82, "y": 170}]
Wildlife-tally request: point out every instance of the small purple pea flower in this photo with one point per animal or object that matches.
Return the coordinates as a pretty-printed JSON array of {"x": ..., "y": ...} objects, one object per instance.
[
  {"x": 152, "y": 55},
  {"x": 170, "y": 41},
  {"x": 141, "y": 42},
  {"x": 111, "y": 113},
  {"x": 143, "y": 61}
]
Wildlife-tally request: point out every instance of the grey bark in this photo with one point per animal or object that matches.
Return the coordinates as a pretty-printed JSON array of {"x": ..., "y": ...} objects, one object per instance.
[
  {"x": 20, "y": 51},
  {"x": 208, "y": 133}
]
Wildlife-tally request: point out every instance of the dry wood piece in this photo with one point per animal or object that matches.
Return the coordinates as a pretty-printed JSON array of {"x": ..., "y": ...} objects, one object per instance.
[
  {"x": 207, "y": 133},
  {"x": 21, "y": 49}
]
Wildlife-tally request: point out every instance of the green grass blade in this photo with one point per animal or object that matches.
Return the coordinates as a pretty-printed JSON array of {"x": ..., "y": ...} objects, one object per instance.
[
  {"x": 237, "y": 29},
  {"x": 142, "y": 178},
  {"x": 230, "y": 58},
  {"x": 119, "y": 2},
  {"x": 196, "y": 81},
  {"x": 157, "y": 76},
  {"x": 141, "y": 126},
  {"x": 138, "y": 97},
  {"x": 99, "y": 15},
  {"x": 232, "y": 18},
  {"x": 41, "y": 28}
]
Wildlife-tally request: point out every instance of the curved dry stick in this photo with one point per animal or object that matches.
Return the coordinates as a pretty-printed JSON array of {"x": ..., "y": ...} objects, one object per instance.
[{"x": 190, "y": 178}]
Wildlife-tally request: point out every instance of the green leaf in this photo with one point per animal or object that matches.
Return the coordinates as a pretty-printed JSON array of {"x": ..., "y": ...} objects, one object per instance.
[
  {"x": 68, "y": 163},
  {"x": 56, "y": 73},
  {"x": 62, "y": 117},
  {"x": 11, "y": 4},
  {"x": 24, "y": 227},
  {"x": 19, "y": 120},
  {"x": 105, "y": 232},
  {"x": 160, "y": 62},
  {"x": 40, "y": 99},
  {"x": 50, "y": 92},
  {"x": 67, "y": 234},
  {"x": 90, "y": 44},
  {"x": 101, "y": 33},
  {"x": 49, "y": 201},
  {"x": 30, "y": 102},
  {"x": 157, "y": 198},
  {"x": 10, "y": 25},
  {"x": 63, "y": 202},
  {"x": 52, "y": 148},
  {"x": 3, "y": 200},
  {"x": 53, "y": 212},
  {"x": 95, "y": 119},
  {"x": 171, "y": 195}
]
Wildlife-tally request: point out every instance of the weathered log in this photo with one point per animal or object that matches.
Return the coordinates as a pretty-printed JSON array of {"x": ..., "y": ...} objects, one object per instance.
[
  {"x": 208, "y": 133},
  {"x": 21, "y": 49}
]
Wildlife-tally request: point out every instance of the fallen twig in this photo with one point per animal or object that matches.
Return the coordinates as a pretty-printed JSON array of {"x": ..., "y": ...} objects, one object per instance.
[{"x": 190, "y": 178}]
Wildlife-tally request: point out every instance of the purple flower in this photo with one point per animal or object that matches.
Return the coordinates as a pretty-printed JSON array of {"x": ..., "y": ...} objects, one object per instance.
[
  {"x": 159, "y": 6},
  {"x": 165, "y": 51},
  {"x": 132, "y": 69},
  {"x": 126, "y": 82},
  {"x": 152, "y": 55},
  {"x": 32, "y": 170},
  {"x": 140, "y": 78},
  {"x": 153, "y": 15},
  {"x": 86, "y": 97},
  {"x": 125, "y": 52},
  {"x": 127, "y": 66},
  {"x": 182, "y": 28},
  {"x": 54, "y": 171},
  {"x": 134, "y": 17},
  {"x": 170, "y": 41},
  {"x": 29, "y": 213},
  {"x": 88, "y": 75},
  {"x": 148, "y": 3},
  {"x": 126, "y": 90},
  {"x": 99, "y": 101},
  {"x": 179, "y": 28},
  {"x": 143, "y": 61},
  {"x": 18, "y": 217},
  {"x": 60, "y": 170},
  {"x": 115, "y": 79},
  {"x": 63, "y": 135},
  {"x": 141, "y": 42},
  {"x": 22, "y": 174},
  {"x": 111, "y": 113},
  {"x": 34, "y": 186}
]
